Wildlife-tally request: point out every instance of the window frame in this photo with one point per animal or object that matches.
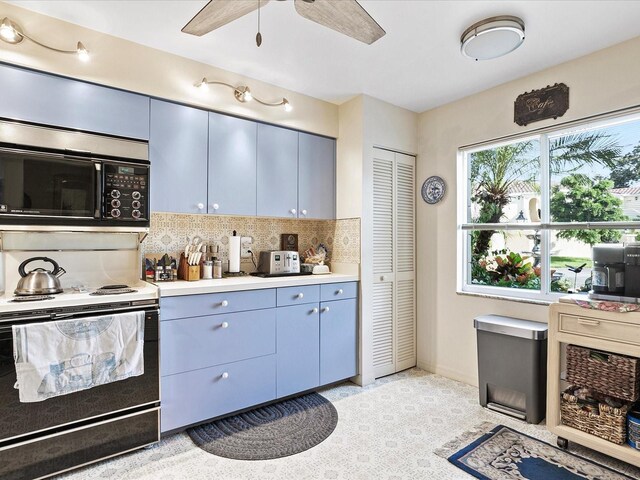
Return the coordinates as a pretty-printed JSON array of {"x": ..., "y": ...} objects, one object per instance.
[{"x": 545, "y": 226}]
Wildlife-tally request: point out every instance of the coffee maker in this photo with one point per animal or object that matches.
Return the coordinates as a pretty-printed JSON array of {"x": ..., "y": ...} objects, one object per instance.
[
  {"x": 608, "y": 274},
  {"x": 632, "y": 270}
]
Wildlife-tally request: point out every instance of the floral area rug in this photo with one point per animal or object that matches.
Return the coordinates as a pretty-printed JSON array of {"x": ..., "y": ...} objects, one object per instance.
[{"x": 503, "y": 454}]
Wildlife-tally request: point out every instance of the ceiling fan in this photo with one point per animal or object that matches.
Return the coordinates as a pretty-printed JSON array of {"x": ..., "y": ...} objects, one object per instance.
[{"x": 344, "y": 16}]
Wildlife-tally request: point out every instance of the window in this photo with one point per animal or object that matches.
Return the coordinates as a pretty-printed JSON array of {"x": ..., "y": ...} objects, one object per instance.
[{"x": 531, "y": 209}]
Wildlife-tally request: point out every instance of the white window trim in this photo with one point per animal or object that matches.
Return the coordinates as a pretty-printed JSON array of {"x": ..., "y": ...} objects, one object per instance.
[{"x": 545, "y": 226}]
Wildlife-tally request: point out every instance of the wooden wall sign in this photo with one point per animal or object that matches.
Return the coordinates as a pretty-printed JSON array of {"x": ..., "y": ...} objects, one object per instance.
[
  {"x": 289, "y": 242},
  {"x": 549, "y": 102}
]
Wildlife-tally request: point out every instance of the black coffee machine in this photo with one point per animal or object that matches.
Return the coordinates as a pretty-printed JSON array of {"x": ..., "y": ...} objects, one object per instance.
[
  {"x": 632, "y": 270},
  {"x": 608, "y": 274}
]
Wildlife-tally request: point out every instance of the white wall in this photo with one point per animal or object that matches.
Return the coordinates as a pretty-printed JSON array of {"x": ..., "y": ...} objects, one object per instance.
[
  {"x": 123, "y": 64},
  {"x": 601, "y": 82},
  {"x": 365, "y": 123}
]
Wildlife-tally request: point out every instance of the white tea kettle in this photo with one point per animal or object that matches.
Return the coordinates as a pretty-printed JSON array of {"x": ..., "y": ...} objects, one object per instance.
[{"x": 39, "y": 281}]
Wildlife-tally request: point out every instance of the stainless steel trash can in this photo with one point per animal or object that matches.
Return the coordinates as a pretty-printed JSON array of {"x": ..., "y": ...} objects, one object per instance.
[{"x": 512, "y": 366}]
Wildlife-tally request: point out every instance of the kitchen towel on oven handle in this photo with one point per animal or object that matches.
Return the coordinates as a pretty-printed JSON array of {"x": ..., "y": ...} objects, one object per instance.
[{"x": 61, "y": 357}]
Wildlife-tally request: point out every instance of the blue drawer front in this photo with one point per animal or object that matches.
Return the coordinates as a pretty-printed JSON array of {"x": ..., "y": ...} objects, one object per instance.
[
  {"x": 199, "y": 342},
  {"x": 338, "y": 343},
  {"x": 338, "y": 291},
  {"x": 298, "y": 295},
  {"x": 216, "y": 303},
  {"x": 298, "y": 349},
  {"x": 196, "y": 396}
]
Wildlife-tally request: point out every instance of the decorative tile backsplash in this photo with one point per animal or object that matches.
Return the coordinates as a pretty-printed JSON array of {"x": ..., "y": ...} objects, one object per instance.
[{"x": 169, "y": 233}]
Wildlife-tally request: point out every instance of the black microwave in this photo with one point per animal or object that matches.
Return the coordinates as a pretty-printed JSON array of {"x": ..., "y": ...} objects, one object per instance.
[{"x": 42, "y": 182}]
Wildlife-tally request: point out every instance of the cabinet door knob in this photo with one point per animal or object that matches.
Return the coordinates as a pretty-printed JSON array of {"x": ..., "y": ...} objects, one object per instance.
[
  {"x": 225, "y": 375},
  {"x": 200, "y": 206},
  {"x": 325, "y": 309},
  {"x": 300, "y": 295},
  {"x": 224, "y": 325},
  {"x": 215, "y": 206},
  {"x": 224, "y": 303},
  {"x": 339, "y": 292},
  {"x": 314, "y": 310},
  {"x": 304, "y": 212},
  {"x": 293, "y": 211}
]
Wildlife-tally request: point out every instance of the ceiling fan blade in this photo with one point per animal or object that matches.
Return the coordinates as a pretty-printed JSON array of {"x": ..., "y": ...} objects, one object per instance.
[
  {"x": 344, "y": 16},
  {"x": 217, "y": 13}
]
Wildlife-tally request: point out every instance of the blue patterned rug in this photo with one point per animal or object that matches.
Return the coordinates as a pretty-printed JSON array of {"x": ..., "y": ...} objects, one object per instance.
[{"x": 503, "y": 453}]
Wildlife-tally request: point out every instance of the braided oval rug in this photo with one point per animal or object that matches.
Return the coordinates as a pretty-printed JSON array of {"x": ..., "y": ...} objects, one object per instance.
[{"x": 274, "y": 431}]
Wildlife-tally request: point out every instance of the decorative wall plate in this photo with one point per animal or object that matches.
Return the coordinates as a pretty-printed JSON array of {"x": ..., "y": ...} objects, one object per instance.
[{"x": 433, "y": 189}]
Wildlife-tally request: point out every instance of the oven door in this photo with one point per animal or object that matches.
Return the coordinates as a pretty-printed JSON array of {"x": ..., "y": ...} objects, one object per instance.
[
  {"x": 49, "y": 185},
  {"x": 19, "y": 419}
]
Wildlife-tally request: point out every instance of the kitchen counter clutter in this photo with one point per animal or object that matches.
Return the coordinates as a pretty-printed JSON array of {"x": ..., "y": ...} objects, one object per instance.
[
  {"x": 247, "y": 282},
  {"x": 235, "y": 343}
]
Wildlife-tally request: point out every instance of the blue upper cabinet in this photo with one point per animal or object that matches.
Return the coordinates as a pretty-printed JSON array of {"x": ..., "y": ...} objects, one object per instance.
[
  {"x": 178, "y": 155},
  {"x": 232, "y": 165},
  {"x": 41, "y": 98},
  {"x": 316, "y": 177},
  {"x": 277, "y": 172}
]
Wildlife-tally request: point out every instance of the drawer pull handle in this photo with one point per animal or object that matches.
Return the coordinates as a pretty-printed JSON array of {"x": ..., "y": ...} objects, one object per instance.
[
  {"x": 224, "y": 303},
  {"x": 215, "y": 206},
  {"x": 325, "y": 309},
  {"x": 293, "y": 211},
  {"x": 339, "y": 292},
  {"x": 315, "y": 310},
  {"x": 588, "y": 323},
  {"x": 300, "y": 295},
  {"x": 225, "y": 375},
  {"x": 224, "y": 325}
]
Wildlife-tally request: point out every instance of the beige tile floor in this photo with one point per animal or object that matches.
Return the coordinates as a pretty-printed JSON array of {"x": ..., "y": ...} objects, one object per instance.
[{"x": 388, "y": 430}]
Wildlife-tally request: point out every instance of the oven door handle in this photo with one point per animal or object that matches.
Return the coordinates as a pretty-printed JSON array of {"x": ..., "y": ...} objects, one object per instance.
[{"x": 98, "y": 212}]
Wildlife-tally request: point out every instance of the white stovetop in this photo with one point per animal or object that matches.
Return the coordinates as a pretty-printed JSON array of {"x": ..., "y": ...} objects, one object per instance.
[
  {"x": 144, "y": 291},
  {"x": 232, "y": 284}
]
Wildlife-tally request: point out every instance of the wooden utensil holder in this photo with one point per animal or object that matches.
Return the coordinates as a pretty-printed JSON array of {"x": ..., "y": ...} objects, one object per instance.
[
  {"x": 188, "y": 272},
  {"x": 193, "y": 273}
]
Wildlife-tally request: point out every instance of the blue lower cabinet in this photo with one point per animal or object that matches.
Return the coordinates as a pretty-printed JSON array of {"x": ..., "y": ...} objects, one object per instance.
[
  {"x": 199, "y": 342},
  {"x": 298, "y": 349},
  {"x": 196, "y": 396},
  {"x": 338, "y": 344}
]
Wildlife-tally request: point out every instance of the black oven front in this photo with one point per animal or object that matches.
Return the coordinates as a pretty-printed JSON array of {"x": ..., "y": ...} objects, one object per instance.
[{"x": 41, "y": 438}]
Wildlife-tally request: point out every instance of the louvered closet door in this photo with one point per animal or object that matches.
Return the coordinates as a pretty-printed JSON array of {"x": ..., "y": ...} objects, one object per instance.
[
  {"x": 405, "y": 299},
  {"x": 383, "y": 262}
]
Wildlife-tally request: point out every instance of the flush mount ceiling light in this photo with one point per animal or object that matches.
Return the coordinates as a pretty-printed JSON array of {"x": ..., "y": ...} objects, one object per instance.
[
  {"x": 243, "y": 94},
  {"x": 11, "y": 32},
  {"x": 492, "y": 37}
]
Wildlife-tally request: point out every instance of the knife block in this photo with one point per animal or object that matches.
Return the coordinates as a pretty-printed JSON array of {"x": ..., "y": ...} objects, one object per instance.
[
  {"x": 193, "y": 273},
  {"x": 187, "y": 272}
]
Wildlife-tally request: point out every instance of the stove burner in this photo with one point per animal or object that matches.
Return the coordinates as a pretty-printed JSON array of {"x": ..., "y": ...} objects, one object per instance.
[
  {"x": 113, "y": 291},
  {"x": 31, "y": 298},
  {"x": 114, "y": 287}
]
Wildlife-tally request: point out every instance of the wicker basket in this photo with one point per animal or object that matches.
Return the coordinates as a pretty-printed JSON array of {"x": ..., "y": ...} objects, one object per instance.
[
  {"x": 609, "y": 423},
  {"x": 607, "y": 373}
]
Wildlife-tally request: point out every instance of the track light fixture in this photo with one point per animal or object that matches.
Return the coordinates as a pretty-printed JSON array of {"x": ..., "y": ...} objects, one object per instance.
[
  {"x": 12, "y": 33},
  {"x": 243, "y": 94}
]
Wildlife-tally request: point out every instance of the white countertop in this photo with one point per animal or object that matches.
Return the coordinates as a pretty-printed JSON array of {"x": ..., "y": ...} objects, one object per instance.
[{"x": 233, "y": 284}]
